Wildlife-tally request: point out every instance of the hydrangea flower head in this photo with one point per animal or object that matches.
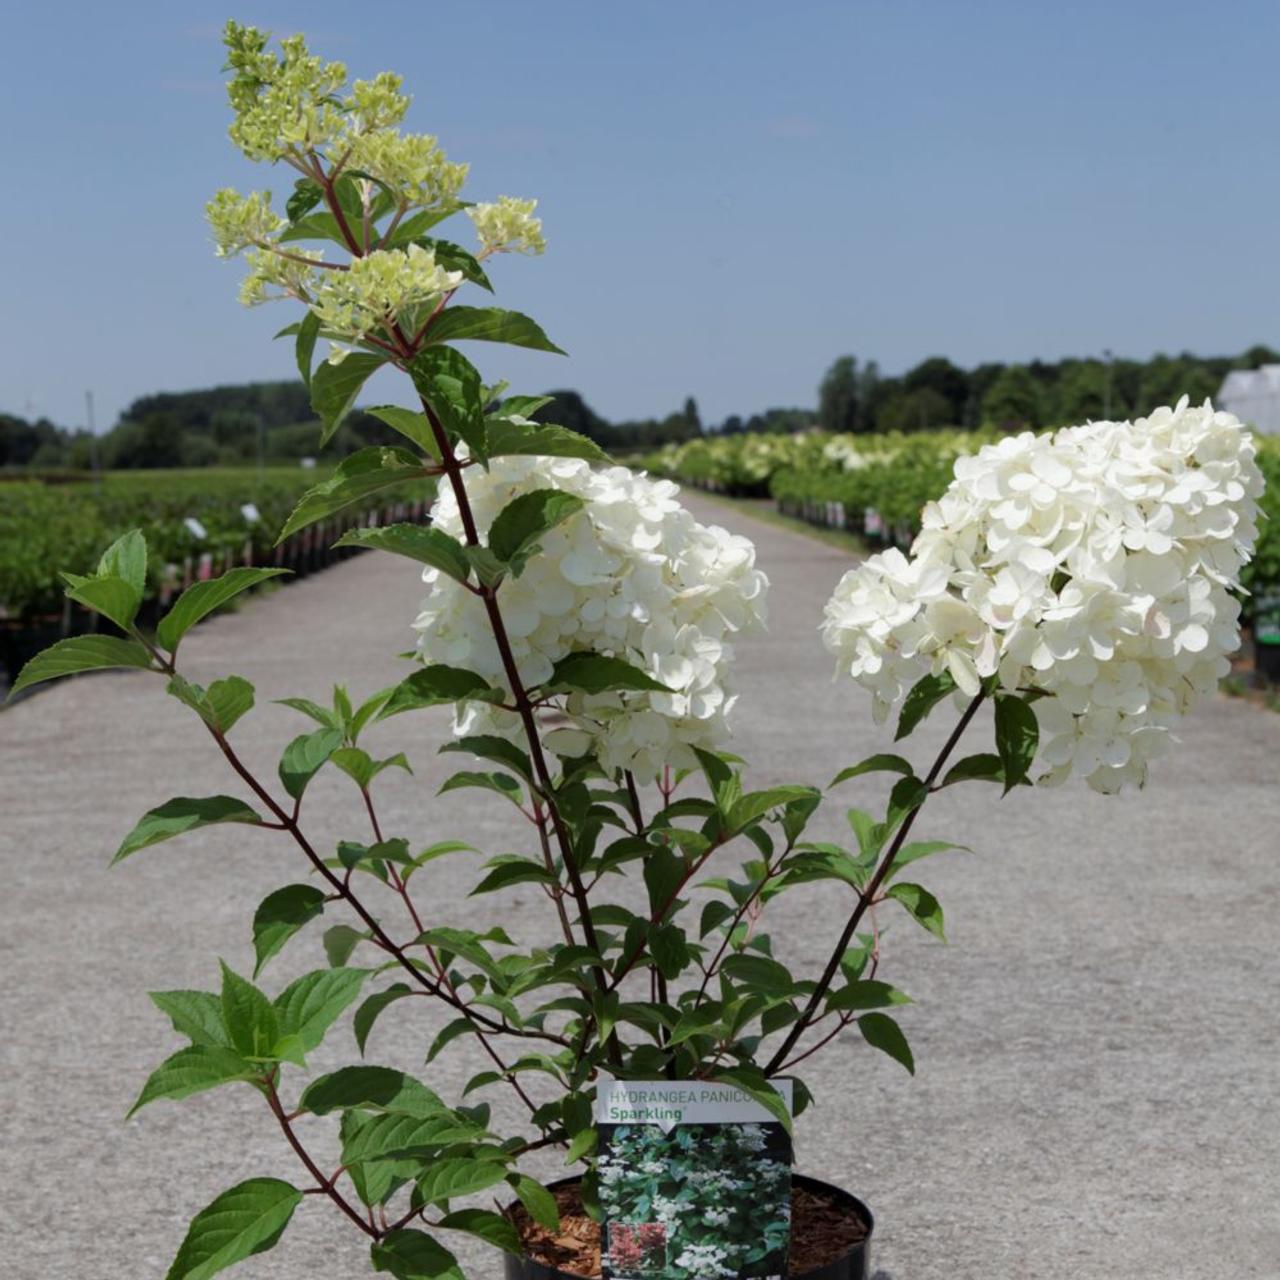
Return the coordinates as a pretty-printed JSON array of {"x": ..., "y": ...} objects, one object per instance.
[
  {"x": 632, "y": 576},
  {"x": 1095, "y": 565}
]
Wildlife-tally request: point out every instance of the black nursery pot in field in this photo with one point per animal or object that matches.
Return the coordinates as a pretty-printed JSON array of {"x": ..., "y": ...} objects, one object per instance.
[{"x": 831, "y": 1236}]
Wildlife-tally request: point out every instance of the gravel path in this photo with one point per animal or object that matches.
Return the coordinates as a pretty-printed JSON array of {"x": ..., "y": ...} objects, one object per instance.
[{"x": 1099, "y": 1065}]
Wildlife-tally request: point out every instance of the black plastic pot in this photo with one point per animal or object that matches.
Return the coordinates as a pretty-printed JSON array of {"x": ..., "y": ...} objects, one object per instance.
[{"x": 854, "y": 1265}]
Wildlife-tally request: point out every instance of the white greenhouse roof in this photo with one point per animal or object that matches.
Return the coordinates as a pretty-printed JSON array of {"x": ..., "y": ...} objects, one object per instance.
[{"x": 1253, "y": 395}]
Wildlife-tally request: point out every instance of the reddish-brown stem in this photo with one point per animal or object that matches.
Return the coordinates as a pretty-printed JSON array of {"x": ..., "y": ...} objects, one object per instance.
[
  {"x": 867, "y": 896},
  {"x": 322, "y": 1183}
]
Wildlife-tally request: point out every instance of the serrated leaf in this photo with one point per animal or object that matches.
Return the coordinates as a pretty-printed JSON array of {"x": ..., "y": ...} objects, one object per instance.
[
  {"x": 308, "y": 1007},
  {"x": 868, "y": 994},
  {"x": 249, "y": 1017},
  {"x": 413, "y": 1255},
  {"x": 370, "y": 1089},
  {"x": 194, "y": 1014},
  {"x": 181, "y": 814},
  {"x": 881, "y": 1032},
  {"x": 393, "y": 1137},
  {"x": 461, "y": 1176},
  {"x": 413, "y": 426},
  {"x": 874, "y": 764},
  {"x": 925, "y": 694},
  {"x": 366, "y": 472},
  {"x": 367, "y": 1013},
  {"x": 752, "y": 1082},
  {"x": 509, "y": 436},
  {"x": 750, "y": 808},
  {"x": 426, "y": 545},
  {"x": 489, "y": 746},
  {"x": 1017, "y": 737},
  {"x": 759, "y": 972},
  {"x": 513, "y": 870},
  {"x": 193, "y": 1070},
  {"x": 202, "y": 598},
  {"x": 449, "y": 383},
  {"x": 490, "y": 324},
  {"x": 485, "y": 1225},
  {"x": 81, "y": 653},
  {"x": 305, "y": 756},
  {"x": 247, "y": 1220},
  {"x": 305, "y": 345},
  {"x": 340, "y": 942},
  {"x": 435, "y": 686},
  {"x": 112, "y": 597},
  {"x": 595, "y": 673},
  {"x": 983, "y": 767},
  {"x": 910, "y": 853},
  {"x": 503, "y": 783},
  {"x": 126, "y": 558},
  {"x": 515, "y": 531},
  {"x": 539, "y": 1202},
  {"x": 921, "y": 904},
  {"x": 334, "y": 388},
  {"x": 280, "y": 915}
]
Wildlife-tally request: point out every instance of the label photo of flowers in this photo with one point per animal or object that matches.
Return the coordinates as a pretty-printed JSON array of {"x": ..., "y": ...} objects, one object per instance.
[{"x": 702, "y": 1200}]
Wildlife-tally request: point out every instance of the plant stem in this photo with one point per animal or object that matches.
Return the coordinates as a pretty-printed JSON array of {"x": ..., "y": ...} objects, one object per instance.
[{"x": 867, "y": 896}]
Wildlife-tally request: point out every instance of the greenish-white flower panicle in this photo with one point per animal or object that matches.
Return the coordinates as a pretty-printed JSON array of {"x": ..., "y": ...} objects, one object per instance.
[
  {"x": 283, "y": 105},
  {"x": 508, "y": 226},
  {"x": 632, "y": 576},
  {"x": 361, "y": 171},
  {"x": 1096, "y": 565},
  {"x": 379, "y": 288}
]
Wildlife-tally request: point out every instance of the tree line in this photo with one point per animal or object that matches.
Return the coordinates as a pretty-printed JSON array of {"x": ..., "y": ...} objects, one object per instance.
[{"x": 272, "y": 421}]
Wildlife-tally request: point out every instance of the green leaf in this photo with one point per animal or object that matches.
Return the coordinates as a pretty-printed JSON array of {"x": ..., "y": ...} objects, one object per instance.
[
  {"x": 753, "y": 1083},
  {"x": 340, "y": 942},
  {"x": 367, "y": 1013},
  {"x": 513, "y": 869},
  {"x": 873, "y": 764},
  {"x": 462, "y": 1176},
  {"x": 394, "y": 1137},
  {"x": 202, "y": 598},
  {"x": 490, "y": 324},
  {"x": 365, "y": 472},
  {"x": 334, "y": 388},
  {"x": 983, "y": 767},
  {"x": 503, "y": 783},
  {"x": 81, "y": 653},
  {"x": 867, "y": 994},
  {"x": 417, "y": 542},
  {"x": 219, "y": 706},
  {"x": 305, "y": 756},
  {"x": 922, "y": 905},
  {"x": 594, "y": 673},
  {"x": 248, "y": 1016},
  {"x": 881, "y": 1032},
  {"x": 126, "y": 558},
  {"x": 247, "y": 1220},
  {"x": 507, "y": 436},
  {"x": 413, "y": 426},
  {"x": 669, "y": 950},
  {"x": 112, "y": 597},
  {"x": 370, "y": 1089},
  {"x": 759, "y": 972},
  {"x": 453, "y": 257},
  {"x": 514, "y": 534},
  {"x": 184, "y": 814},
  {"x": 485, "y": 1225},
  {"x": 280, "y": 915},
  {"x": 306, "y": 195},
  {"x": 194, "y": 1014},
  {"x": 310, "y": 1006},
  {"x": 413, "y": 1255},
  {"x": 696, "y": 1022},
  {"x": 449, "y": 383},
  {"x": 418, "y": 223},
  {"x": 314, "y": 226},
  {"x": 754, "y": 806},
  {"x": 193, "y": 1070},
  {"x": 305, "y": 345},
  {"x": 921, "y": 849},
  {"x": 435, "y": 686},
  {"x": 362, "y": 768},
  {"x": 488, "y": 746},
  {"x": 1017, "y": 736},
  {"x": 539, "y": 1202},
  {"x": 925, "y": 694}
]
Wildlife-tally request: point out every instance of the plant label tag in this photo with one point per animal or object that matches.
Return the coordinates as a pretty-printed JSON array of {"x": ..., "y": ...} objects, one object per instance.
[{"x": 694, "y": 1181}]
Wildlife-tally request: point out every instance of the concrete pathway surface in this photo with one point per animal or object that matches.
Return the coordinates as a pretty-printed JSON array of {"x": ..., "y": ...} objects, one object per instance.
[{"x": 1098, "y": 1076}]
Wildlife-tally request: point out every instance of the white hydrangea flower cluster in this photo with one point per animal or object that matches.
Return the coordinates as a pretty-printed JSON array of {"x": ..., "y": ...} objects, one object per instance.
[
  {"x": 631, "y": 576},
  {"x": 509, "y": 225},
  {"x": 1095, "y": 565},
  {"x": 240, "y": 221},
  {"x": 378, "y": 288}
]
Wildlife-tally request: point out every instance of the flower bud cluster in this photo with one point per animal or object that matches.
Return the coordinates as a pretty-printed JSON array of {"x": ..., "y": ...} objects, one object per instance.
[
  {"x": 413, "y": 165},
  {"x": 631, "y": 576},
  {"x": 1095, "y": 565},
  {"x": 272, "y": 277},
  {"x": 378, "y": 288},
  {"x": 240, "y": 221},
  {"x": 508, "y": 225},
  {"x": 282, "y": 104}
]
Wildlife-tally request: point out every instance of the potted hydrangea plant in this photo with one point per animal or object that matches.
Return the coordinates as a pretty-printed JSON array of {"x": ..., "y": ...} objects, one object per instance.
[{"x": 1080, "y": 586}]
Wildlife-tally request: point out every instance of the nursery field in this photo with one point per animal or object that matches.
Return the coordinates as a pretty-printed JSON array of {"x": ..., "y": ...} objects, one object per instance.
[
  {"x": 196, "y": 522},
  {"x": 1091, "y": 1046},
  {"x": 875, "y": 485}
]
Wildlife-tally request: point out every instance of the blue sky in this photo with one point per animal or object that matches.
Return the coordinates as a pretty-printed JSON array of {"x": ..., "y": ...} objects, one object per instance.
[{"x": 734, "y": 192}]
